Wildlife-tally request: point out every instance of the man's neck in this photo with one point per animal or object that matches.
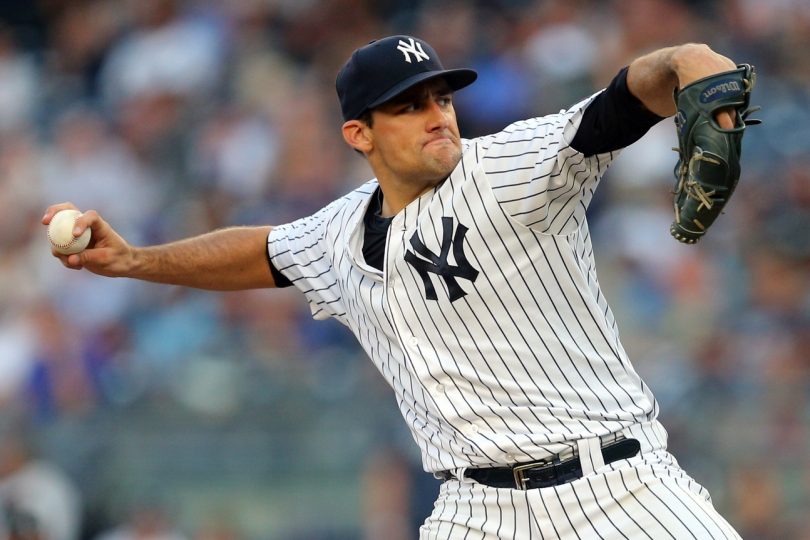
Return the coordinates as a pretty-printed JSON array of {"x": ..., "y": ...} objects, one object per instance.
[{"x": 398, "y": 195}]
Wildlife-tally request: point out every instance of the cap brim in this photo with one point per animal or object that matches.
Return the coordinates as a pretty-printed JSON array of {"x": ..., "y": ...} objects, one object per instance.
[{"x": 456, "y": 79}]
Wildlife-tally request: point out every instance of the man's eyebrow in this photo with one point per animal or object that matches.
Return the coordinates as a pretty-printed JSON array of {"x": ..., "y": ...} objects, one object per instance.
[
  {"x": 410, "y": 95},
  {"x": 422, "y": 92},
  {"x": 443, "y": 88}
]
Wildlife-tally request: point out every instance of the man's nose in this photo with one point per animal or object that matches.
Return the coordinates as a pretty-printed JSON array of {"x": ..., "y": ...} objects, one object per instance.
[{"x": 438, "y": 117}]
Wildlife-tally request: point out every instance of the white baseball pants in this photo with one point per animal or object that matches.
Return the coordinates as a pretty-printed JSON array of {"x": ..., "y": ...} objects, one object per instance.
[{"x": 648, "y": 496}]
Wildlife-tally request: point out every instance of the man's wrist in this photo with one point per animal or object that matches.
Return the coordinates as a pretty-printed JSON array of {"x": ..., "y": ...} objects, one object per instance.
[
  {"x": 693, "y": 61},
  {"x": 136, "y": 265}
]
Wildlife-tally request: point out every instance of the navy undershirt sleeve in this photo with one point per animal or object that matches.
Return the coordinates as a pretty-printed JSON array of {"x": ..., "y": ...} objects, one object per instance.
[
  {"x": 613, "y": 120},
  {"x": 278, "y": 278}
]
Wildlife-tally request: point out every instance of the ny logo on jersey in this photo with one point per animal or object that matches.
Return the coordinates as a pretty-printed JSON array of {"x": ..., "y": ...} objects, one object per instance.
[
  {"x": 412, "y": 48},
  {"x": 431, "y": 263}
]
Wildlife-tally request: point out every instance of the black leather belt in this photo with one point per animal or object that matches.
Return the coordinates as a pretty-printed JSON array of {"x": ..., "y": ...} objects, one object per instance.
[{"x": 540, "y": 474}]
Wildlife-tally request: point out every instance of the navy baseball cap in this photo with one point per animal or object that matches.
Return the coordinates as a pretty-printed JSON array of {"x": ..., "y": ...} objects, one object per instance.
[{"x": 387, "y": 67}]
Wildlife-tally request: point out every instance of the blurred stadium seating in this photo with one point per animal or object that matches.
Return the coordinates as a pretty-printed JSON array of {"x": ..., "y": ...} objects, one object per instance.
[{"x": 235, "y": 415}]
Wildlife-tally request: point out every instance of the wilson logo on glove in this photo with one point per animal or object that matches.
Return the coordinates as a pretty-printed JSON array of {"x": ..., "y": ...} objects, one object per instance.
[{"x": 721, "y": 89}]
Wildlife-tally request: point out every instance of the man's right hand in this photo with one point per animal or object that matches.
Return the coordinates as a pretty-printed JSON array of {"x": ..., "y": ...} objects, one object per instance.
[
  {"x": 233, "y": 258},
  {"x": 107, "y": 254}
]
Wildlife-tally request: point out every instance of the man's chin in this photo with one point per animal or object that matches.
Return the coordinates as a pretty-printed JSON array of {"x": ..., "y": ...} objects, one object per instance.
[{"x": 445, "y": 160}]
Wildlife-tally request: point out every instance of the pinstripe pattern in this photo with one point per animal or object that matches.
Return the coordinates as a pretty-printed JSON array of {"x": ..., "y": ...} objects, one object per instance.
[
  {"x": 529, "y": 360},
  {"x": 521, "y": 365},
  {"x": 644, "y": 497}
]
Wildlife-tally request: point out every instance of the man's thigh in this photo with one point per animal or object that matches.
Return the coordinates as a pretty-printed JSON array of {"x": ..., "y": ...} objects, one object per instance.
[
  {"x": 649, "y": 496},
  {"x": 469, "y": 510}
]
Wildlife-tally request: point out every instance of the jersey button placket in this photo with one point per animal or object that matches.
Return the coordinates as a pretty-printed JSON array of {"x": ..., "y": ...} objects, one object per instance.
[
  {"x": 393, "y": 247},
  {"x": 470, "y": 430}
]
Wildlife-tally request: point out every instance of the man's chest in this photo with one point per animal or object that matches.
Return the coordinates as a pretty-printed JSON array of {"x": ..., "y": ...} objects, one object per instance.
[{"x": 454, "y": 248}]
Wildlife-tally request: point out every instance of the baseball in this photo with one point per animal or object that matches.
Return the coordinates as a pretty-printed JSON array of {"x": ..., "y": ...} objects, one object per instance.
[{"x": 60, "y": 233}]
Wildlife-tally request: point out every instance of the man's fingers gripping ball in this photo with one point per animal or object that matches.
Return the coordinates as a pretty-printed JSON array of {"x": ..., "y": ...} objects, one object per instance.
[{"x": 61, "y": 233}]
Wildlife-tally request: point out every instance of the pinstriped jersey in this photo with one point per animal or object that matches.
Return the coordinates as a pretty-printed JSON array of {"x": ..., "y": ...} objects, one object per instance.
[{"x": 487, "y": 318}]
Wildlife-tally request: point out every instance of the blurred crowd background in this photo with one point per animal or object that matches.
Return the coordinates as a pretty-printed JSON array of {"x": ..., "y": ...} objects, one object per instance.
[{"x": 130, "y": 410}]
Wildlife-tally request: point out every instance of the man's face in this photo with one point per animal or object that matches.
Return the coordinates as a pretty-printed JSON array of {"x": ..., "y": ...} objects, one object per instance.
[{"x": 415, "y": 137}]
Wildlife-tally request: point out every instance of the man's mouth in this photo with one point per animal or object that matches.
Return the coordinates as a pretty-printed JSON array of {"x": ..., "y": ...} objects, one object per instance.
[{"x": 439, "y": 140}]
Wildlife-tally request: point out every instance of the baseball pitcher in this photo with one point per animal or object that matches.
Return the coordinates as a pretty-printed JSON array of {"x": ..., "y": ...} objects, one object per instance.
[{"x": 465, "y": 270}]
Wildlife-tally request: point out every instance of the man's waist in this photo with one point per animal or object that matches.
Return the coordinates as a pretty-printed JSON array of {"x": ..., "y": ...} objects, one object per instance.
[
  {"x": 500, "y": 450},
  {"x": 547, "y": 473},
  {"x": 545, "y": 452}
]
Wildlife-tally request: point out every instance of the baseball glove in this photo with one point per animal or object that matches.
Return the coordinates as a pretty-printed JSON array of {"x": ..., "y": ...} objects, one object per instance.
[{"x": 709, "y": 165}]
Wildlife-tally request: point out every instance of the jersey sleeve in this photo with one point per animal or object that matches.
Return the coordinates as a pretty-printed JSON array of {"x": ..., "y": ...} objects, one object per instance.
[
  {"x": 613, "y": 120},
  {"x": 538, "y": 178},
  {"x": 302, "y": 252}
]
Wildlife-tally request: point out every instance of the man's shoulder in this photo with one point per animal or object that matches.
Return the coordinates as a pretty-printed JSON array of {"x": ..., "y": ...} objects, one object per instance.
[
  {"x": 512, "y": 130},
  {"x": 351, "y": 203},
  {"x": 530, "y": 133},
  {"x": 356, "y": 197},
  {"x": 360, "y": 193},
  {"x": 331, "y": 220},
  {"x": 363, "y": 191}
]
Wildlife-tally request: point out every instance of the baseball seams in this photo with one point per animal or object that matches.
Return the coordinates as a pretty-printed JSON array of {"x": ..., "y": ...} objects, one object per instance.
[{"x": 60, "y": 233}]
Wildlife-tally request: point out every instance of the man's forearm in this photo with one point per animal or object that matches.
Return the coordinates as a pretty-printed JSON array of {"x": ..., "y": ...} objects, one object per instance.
[
  {"x": 226, "y": 259},
  {"x": 653, "y": 77}
]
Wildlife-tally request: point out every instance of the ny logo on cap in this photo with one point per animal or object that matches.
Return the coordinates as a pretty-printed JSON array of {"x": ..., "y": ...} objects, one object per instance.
[{"x": 414, "y": 48}]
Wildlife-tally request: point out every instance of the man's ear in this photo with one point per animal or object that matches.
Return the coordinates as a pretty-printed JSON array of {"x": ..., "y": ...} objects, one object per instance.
[{"x": 357, "y": 134}]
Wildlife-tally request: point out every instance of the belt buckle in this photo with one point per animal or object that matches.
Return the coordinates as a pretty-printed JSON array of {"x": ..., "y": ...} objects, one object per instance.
[{"x": 519, "y": 473}]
